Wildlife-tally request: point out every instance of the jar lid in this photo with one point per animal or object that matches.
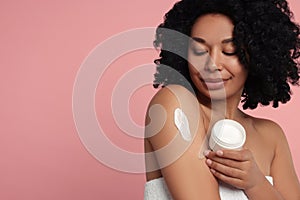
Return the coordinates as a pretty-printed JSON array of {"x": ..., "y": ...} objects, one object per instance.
[{"x": 229, "y": 134}]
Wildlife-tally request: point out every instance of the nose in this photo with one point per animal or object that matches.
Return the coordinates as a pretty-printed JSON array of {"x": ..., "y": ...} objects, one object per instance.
[{"x": 213, "y": 62}]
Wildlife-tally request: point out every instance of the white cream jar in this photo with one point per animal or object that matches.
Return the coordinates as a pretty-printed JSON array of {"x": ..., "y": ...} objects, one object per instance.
[{"x": 227, "y": 134}]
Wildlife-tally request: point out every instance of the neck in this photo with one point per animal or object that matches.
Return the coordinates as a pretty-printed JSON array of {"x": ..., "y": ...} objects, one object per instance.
[{"x": 220, "y": 109}]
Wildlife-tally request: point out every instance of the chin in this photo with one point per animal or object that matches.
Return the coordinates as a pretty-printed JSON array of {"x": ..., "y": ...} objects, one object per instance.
[{"x": 209, "y": 95}]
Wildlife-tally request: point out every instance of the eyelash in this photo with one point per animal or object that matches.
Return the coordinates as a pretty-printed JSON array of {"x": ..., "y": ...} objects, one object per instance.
[
  {"x": 201, "y": 53},
  {"x": 229, "y": 54}
]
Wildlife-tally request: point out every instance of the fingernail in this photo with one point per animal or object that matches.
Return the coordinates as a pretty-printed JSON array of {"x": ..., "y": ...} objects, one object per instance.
[
  {"x": 208, "y": 161},
  {"x": 206, "y": 152},
  {"x": 220, "y": 153}
]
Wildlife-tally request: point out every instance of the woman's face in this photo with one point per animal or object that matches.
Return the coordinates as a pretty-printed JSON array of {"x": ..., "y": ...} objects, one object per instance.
[{"x": 213, "y": 64}]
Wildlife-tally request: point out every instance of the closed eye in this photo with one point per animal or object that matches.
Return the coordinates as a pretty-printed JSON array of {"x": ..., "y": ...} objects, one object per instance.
[
  {"x": 199, "y": 53},
  {"x": 229, "y": 53}
]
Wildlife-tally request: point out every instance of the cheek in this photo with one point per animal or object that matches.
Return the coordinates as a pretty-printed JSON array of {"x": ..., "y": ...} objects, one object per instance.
[
  {"x": 236, "y": 68},
  {"x": 197, "y": 62}
]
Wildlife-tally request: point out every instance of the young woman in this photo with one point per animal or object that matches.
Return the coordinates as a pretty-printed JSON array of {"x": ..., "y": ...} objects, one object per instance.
[{"x": 233, "y": 49}]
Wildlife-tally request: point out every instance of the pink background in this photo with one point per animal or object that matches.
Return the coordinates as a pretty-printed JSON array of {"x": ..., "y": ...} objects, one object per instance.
[{"x": 43, "y": 44}]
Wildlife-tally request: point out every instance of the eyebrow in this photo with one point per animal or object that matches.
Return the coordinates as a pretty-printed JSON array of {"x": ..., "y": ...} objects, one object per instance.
[{"x": 202, "y": 41}]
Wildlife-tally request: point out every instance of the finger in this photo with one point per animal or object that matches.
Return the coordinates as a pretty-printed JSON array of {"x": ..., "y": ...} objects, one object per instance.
[
  {"x": 238, "y": 155},
  {"x": 236, "y": 182},
  {"x": 228, "y": 171},
  {"x": 209, "y": 153},
  {"x": 217, "y": 157},
  {"x": 227, "y": 162}
]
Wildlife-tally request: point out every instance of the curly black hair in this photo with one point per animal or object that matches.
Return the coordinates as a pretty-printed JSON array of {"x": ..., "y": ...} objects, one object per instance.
[{"x": 265, "y": 36}]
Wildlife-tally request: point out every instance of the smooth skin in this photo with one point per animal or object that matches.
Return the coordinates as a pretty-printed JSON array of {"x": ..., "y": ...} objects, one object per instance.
[{"x": 266, "y": 151}]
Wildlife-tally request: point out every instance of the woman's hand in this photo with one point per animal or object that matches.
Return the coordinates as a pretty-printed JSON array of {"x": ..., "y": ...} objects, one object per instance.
[{"x": 235, "y": 167}]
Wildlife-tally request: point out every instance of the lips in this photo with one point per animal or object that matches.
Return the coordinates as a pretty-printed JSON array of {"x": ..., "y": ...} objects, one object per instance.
[{"x": 214, "y": 83}]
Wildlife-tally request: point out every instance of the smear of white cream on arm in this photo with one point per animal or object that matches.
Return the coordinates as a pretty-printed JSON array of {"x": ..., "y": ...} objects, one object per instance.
[{"x": 182, "y": 124}]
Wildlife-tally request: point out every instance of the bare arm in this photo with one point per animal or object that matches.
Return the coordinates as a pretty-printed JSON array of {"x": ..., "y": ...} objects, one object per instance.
[
  {"x": 186, "y": 175},
  {"x": 286, "y": 184},
  {"x": 282, "y": 169}
]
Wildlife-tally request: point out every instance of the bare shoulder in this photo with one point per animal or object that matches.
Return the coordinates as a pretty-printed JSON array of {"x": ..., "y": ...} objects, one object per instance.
[
  {"x": 282, "y": 167},
  {"x": 177, "y": 156},
  {"x": 172, "y": 95},
  {"x": 161, "y": 109},
  {"x": 269, "y": 129}
]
